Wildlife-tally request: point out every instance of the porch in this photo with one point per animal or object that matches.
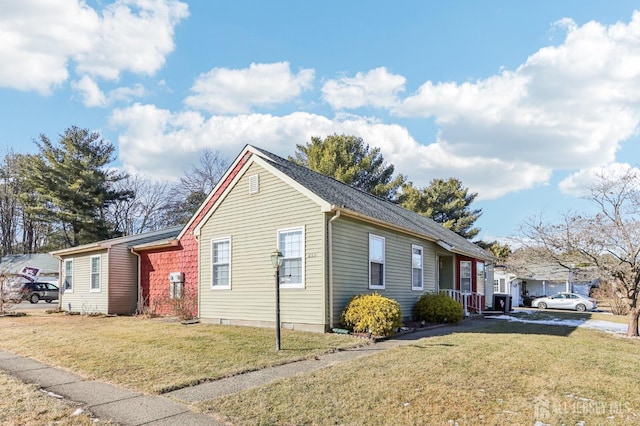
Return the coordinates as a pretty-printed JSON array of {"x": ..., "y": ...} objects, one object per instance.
[{"x": 470, "y": 301}]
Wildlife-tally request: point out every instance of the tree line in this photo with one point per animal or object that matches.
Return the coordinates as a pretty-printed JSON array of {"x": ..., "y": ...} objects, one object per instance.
[{"x": 67, "y": 194}]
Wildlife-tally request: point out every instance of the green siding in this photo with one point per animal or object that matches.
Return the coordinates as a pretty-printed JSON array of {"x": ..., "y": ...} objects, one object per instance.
[
  {"x": 252, "y": 222},
  {"x": 351, "y": 264}
]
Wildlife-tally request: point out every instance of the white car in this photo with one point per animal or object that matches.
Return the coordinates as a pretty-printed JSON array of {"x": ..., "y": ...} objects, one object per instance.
[{"x": 566, "y": 301}]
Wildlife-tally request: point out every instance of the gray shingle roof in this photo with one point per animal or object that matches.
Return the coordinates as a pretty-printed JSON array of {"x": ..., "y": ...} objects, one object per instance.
[
  {"x": 14, "y": 263},
  {"x": 364, "y": 203}
]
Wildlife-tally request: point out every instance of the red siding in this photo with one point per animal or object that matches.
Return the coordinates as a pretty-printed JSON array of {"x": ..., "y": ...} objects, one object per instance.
[{"x": 156, "y": 264}]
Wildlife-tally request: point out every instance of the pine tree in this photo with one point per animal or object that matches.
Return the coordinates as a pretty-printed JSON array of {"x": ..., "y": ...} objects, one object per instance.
[
  {"x": 446, "y": 202},
  {"x": 73, "y": 186},
  {"x": 349, "y": 160}
]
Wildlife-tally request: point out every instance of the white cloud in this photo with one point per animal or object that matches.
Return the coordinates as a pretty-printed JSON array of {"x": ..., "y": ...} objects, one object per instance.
[
  {"x": 91, "y": 94},
  {"x": 43, "y": 42},
  {"x": 229, "y": 91},
  {"x": 377, "y": 88},
  {"x": 579, "y": 184},
  {"x": 567, "y": 107},
  {"x": 135, "y": 36}
]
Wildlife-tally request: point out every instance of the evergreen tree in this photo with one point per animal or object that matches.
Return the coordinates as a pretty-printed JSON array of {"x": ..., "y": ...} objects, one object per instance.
[
  {"x": 446, "y": 202},
  {"x": 73, "y": 187},
  {"x": 349, "y": 160}
]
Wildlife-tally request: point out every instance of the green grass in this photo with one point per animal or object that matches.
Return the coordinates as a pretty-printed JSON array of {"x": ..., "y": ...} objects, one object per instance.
[
  {"x": 550, "y": 314},
  {"x": 506, "y": 373},
  {"x": 155, "y": 355}
]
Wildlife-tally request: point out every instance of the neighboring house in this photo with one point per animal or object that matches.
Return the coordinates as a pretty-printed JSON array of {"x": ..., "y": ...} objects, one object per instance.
[
  {"x": 12, "y": 265},
  {"x": 103, "y": 277},
  {"x": 542, "y": 280},
  {"x": 338, "y": 242}
]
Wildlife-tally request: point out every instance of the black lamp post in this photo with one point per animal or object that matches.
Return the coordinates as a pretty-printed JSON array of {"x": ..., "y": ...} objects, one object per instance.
[{"x": 276, "y": 261}]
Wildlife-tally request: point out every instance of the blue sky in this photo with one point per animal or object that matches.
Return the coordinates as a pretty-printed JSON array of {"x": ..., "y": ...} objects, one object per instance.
[{"x": 522, "y": 101}]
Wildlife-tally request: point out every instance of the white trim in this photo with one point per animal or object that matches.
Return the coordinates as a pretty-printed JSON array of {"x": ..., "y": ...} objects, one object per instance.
[
  {"x": 384, "y": 266},
  {"x": 99, "y": 289},
  {"x": 413, "y": 286},
  {"x": 303, "y": 242},
  {"x": 212, "y": 285},
  {"x": 470, "y": 276},
  {"x": 64, "y": 276}
]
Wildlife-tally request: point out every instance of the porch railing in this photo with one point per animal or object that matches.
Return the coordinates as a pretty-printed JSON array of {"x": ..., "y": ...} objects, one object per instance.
[{"x": 468, "y": 300}]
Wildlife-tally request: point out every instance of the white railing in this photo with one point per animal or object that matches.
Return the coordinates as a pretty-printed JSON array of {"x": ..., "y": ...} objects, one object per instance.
[{"x": 468, "y": 300}]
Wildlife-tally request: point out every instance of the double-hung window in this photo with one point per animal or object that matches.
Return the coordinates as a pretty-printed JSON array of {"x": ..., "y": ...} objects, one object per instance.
[
  {"x": 376, "y": 262},
  {"x": 416, "y": 268},
  {"x": 465, "y": 276},
  {"x": 68, "y": 275},
  {"x": 291, "y": 245},
  {"x": 221, "y": 263},
  {"x": 95, "y": 273},
  {"x": 480, "y": 276}
]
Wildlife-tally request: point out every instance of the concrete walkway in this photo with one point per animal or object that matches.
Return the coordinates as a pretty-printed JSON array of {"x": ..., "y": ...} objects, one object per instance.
[{"x": 125, "y": 407}]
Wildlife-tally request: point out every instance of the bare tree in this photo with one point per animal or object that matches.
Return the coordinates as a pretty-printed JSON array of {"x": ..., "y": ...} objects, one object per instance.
[
  {"x": 143, "y": 211},
  {"x": 608, "y": 239},
  {"x": 194, "y": 186}
]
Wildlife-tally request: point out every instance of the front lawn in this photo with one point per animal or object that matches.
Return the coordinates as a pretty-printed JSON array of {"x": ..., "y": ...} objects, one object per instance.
[
  {"x": 154, "y": 355},
  {"x": 504, "y": 374}
]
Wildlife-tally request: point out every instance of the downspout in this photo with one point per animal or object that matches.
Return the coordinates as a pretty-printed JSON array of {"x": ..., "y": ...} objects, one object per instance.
[
  {"x": 336, "y": 216},
  {"x": 139, "y": 303},
  {"x": 60, "y": 283}
]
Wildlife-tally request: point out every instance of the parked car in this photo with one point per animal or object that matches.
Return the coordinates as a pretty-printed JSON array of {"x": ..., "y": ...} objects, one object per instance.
[
  {"x": 33, "y": 292},
  {"x": 574, "y": 301}
]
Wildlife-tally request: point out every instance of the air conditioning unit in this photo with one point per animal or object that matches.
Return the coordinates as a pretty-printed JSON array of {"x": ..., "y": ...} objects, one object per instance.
[{"x": 176, "y": 277}]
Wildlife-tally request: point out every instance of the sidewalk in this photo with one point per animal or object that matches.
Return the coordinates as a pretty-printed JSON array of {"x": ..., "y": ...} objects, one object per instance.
[{"x": 125, "y": 407}]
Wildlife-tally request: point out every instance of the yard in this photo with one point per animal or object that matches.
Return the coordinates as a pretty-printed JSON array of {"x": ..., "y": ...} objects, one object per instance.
[{"x": 505, "y": 373}]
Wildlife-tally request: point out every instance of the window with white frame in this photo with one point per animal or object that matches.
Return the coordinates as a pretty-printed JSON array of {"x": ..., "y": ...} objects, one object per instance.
[
  {"x": 376, "y": 262},
  {"x": 221, "y": 263},
  {"x": 465, "y": 276},
  {"x": 496, "y": 286},
  {"x": 95, "y": 273},
  {"x": 416, "y": 268},
  {"x": 68, "y": 275},
  {"x": 480, "y": 277},
  {"x": 291, "y": 245}
]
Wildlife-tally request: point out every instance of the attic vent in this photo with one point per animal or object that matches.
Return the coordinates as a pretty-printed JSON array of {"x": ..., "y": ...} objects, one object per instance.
[{"x": 254, "y": 184}]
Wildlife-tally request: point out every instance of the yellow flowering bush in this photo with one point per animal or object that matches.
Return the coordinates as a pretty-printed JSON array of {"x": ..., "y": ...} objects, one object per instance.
[{"x": 372, "y": 313}]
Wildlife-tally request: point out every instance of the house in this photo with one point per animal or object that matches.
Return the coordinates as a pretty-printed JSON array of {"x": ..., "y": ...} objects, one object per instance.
[
  {"x": 102, "y": 277},
  {"x": 538, "y": 280},
  {"x": 28, "y": 267},
  {"x": 337, "y": 242}
]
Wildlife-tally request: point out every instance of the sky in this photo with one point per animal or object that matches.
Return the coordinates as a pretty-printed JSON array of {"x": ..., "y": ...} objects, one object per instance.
[{"x": 523, "y": 102}]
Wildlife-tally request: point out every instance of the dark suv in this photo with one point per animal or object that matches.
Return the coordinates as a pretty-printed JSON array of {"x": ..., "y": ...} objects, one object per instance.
[{"x": 34, "y": 292}]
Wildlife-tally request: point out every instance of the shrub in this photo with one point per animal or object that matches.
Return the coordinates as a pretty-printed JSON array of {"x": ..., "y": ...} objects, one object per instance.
[
  {"x": 372, "y": 313},
  {"x": 438, "y": 308}
]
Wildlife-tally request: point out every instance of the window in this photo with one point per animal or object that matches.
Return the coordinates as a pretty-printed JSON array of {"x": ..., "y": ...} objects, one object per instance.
[
  {"x": 465, "y": 276},
  {"x": 480, "y": 277},
  {"x": 68, "y": 276},
  {"x": 221, "y": 263},
  {"x": 416, "y": 268},
  {"x": 376, "y": 261},
  {"x": 95, "y": 273},
  {"x": 291, "y": 245}
]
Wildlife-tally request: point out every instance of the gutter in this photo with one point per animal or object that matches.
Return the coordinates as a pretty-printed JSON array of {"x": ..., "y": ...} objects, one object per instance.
[
  {"x": 139, "y": 303},
  {"x": 330, "y": 237}
]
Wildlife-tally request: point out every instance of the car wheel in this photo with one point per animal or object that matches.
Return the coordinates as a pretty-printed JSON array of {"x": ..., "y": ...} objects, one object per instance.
[
  {"x": 580, "y": 307},
  {"x": 34, "y": 298},
  {"x": 542, "y": 305}
]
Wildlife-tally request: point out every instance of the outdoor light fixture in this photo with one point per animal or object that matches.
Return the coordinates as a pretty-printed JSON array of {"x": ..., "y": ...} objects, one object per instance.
[{"x": 276, "y": 261}]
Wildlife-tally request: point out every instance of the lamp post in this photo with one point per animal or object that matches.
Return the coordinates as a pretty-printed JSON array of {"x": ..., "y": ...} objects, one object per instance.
[{"x": 276, "y": 261}]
